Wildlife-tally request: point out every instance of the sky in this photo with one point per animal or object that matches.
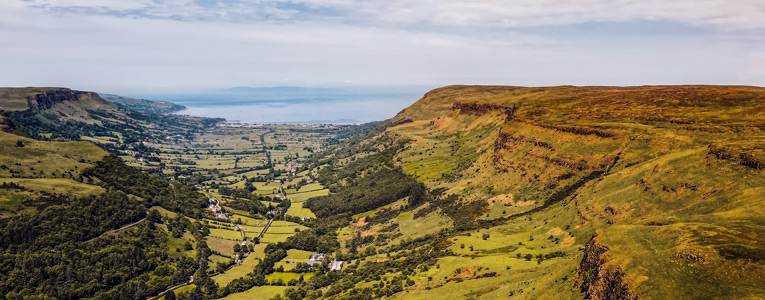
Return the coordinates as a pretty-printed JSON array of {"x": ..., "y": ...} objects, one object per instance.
[{"x": 141, "y": 46}]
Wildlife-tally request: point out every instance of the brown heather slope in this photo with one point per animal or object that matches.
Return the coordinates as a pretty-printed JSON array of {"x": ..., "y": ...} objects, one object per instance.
[{"x": 662, "y": 188}]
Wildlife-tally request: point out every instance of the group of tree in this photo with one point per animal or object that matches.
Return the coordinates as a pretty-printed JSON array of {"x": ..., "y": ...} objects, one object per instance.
[
  {"x": 113, "y": 173},
  {"x": 365, "y": 184},
  {"x": 65, "y": 251}
]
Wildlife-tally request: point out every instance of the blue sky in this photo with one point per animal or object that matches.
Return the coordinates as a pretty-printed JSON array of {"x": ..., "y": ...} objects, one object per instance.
[{"x": 129, "y": 46}]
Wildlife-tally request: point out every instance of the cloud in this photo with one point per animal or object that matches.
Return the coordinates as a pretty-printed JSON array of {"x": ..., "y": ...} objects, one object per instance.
[
  {"x": 718, "y": 14},
  {"x": 138, "y": 45}
]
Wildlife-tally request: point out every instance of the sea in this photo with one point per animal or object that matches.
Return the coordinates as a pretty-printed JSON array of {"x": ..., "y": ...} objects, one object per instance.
[{"x": 296, "y": 105}]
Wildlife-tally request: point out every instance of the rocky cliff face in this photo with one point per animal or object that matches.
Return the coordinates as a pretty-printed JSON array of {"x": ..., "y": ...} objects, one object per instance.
[
  {"x": 46, "y": 100},
  {"x": 480, "y": 108},
  {"x": 598, "y": 282}
]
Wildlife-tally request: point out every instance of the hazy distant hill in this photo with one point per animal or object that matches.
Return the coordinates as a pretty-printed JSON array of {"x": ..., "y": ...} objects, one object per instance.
[
  {"x": 62, "y": 114},
  {"x": 143, "y": 105}
]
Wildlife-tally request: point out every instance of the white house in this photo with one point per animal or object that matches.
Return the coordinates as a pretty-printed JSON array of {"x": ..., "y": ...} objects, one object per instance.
[{"x": 336, "y": 265}]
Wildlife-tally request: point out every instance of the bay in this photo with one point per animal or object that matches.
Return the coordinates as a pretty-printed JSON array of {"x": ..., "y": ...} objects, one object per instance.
[{"x": 296, "y": 105}]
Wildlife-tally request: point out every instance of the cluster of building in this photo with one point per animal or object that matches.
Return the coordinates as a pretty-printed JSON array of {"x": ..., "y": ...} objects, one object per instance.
[
  {"x": 237, "y": 124},
  {"x": 315, "y": 260},
  {"x": 214, "y": 207}
]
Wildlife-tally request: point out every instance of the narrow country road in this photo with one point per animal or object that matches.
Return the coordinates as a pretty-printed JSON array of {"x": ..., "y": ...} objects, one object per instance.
[
  {"x": 262, "y": 233},
  {"x": 167, "y": 290},
  {"x": 121, "y": 229}
]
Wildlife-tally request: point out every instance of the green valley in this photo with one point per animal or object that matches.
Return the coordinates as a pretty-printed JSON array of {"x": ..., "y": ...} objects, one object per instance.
[{"x": 472, "y": 192}]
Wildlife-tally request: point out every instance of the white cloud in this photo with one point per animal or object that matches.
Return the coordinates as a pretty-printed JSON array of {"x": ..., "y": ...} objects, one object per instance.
[
  {"x": 373, "y": 42},
  {"x": 721, "y": 14}
]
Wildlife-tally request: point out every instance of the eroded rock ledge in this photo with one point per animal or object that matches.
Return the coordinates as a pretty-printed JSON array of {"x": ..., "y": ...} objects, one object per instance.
[
  {"x": 479, "y": 109},
  {"x": 598, "y": 282},
  {"x": 47, "y": 99}
]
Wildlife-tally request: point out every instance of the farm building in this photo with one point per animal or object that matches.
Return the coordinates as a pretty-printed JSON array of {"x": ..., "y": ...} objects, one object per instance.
[{"x": 336, "y": 265}]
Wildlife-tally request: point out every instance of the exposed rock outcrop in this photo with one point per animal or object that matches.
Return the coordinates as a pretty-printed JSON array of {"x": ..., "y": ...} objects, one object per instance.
[
  {"x": 401, "y": 122},
  {"x": 744, "y": 159},
  {"x": 751, "y": 161},
  {"x": 598, "y": 282},
  {"x": 480, "y": 108},
  {"x": 47, "y": 99},
  {"x": 719, "y": 152},
  {"x": 505, "y": 140},
  {"x": 571, "y": 129}
]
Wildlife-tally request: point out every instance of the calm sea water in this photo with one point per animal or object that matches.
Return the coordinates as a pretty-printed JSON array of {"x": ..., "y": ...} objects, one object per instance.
[{"x": 297, "y": 105}]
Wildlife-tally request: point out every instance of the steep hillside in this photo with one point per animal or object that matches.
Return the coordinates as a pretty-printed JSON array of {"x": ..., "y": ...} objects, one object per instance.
[
  {"x": 143, "y": 105},
  {"x": 572, "y": 192},
  {"x": 65, "y": 112},
  {"x": 16, "y": 99},
  {"x": 39, "y": 167}
]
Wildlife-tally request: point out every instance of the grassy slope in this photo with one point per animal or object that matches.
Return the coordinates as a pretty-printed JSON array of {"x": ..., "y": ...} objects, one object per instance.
[
  {"x": 39, "y": 166},
  {"x": 657, "y": 170},
  {"x": 15, "y": 99},
  {"x": 78, "y": 110},
  {"x": 258, "y": 292}
]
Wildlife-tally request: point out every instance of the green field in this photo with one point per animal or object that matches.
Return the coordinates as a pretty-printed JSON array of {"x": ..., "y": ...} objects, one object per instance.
[
  {"x": 272, "y": 238},
  {"x": 250, "y": 222},
  {"x": 238, "y": 271},
  {"x": 222, "y": 246},
  {"x": 229, "y": 234},
  {"x": 297, "y": 210},
  {"x": 303, "y": 196},
  {"x": 286, "y": 277},
  {"x": 257, "y": 293},
  {"x": 293, "y": 255},
  {"x": 284, "y": 227}
]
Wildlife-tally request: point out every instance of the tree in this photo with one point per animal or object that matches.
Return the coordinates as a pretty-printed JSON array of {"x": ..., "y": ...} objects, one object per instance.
[
  {"x": 154, "y": 216},
  {"x": 417, "y": 194},
  {"x": 170, "y": 295}
]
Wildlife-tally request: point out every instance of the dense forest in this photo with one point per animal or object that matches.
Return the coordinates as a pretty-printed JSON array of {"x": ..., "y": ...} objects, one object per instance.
[
  {"x": 112, "y": 173},
  {"x": 365, "y": 184},
  {"x": 65, "y": 252}
]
